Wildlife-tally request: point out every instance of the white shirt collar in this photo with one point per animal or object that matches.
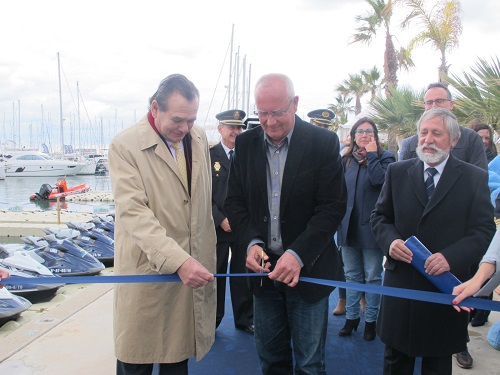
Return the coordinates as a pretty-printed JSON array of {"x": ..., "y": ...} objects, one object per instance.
[
  {"x": 226, "y": 149},
  {"x": 439, "y": 168}
]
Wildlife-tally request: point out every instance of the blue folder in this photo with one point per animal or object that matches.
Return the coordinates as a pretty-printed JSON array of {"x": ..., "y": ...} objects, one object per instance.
[{"x": 444, "y": 282}]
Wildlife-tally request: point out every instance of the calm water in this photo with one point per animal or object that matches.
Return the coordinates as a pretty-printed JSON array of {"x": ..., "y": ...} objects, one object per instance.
[{"x": 15, "y": 193}]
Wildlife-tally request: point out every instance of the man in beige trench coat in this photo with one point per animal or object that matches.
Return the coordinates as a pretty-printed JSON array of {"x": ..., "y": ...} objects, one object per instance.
[{"x": 161, "y": 181}]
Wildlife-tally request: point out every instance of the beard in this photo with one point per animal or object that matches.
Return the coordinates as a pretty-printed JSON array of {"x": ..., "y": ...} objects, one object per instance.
[{"x": 434, "y": 158}]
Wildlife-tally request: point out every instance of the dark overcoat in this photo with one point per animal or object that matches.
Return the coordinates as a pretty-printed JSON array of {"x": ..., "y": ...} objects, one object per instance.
[{"x": 458, "y": 222}]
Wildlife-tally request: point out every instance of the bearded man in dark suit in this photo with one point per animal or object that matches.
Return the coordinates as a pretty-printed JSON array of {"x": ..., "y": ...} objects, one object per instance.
[
  {"x": 455, "y": 223},
  {"x": 286, "y": 196}
]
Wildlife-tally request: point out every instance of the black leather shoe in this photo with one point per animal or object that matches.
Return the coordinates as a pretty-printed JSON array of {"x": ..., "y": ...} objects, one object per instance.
[
  {"x": 464, "y": 359},
  {"x": 480, "y": 318},
  {"x": 370, "y": 333},
  {"x": 248, "y": 329},
  {"x": 349, "y": 326}
]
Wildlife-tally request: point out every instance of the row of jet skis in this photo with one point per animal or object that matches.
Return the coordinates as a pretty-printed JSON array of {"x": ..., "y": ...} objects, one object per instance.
[{"x": 82, "y": 249}]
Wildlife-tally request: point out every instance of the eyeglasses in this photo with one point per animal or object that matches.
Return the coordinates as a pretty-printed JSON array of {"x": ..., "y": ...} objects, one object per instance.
[
  {"x": 275, "y": 114},
  {"x": 437, "y": 101},
  {"x": 364, "y": 131}
]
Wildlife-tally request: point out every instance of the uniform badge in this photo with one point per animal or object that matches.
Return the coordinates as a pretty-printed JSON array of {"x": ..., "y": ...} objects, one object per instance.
[{"x": 217, "y": 166}]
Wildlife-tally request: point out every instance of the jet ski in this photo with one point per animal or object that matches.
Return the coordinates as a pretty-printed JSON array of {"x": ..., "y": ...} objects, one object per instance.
[
  {"x": 106, "y": 223},
  {"x": 25, "y": 264},
  {"x": 11, "y": 306},
  {"x": 101, "y": 251},
  {"x": 62, "y": 257},
  {"x": 89, "y": 229}
]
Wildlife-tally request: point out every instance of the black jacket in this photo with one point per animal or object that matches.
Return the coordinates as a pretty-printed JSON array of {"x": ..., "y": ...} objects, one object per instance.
[{"x": 312, "y": 204}]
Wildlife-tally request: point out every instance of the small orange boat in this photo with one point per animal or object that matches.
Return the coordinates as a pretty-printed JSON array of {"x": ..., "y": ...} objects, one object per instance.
[{"x": 61, "y": 190}]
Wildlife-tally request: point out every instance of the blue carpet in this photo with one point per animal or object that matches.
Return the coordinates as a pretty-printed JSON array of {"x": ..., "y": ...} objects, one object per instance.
[{"x": 233, "y": 352}]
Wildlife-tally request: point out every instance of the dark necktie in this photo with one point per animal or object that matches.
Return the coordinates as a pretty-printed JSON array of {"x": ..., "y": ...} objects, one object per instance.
[
  {"x": 231, "y": 152},
  {"x": 429, "y": 182}
]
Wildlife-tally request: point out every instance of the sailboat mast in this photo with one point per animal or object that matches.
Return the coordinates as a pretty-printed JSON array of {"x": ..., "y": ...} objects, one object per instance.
[
  {"x": 60, "y": 103},
  {"x": 249, "y": 83},
  {"x": 237, "y": 79},
  {"x": 230, "y": 71},
  {"x": 19, "y": 120},
  {"x": 243, "y": 89},
  {"x": 79, "y": 123}
]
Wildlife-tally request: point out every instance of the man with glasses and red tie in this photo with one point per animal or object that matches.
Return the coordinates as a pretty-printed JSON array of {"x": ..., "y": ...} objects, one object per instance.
[
  {"x": 160, "y": 176},
  {"x": 230, "y": 126},
  {"x": 286, "y": 197},
  {"x": 469, "y": 148}
]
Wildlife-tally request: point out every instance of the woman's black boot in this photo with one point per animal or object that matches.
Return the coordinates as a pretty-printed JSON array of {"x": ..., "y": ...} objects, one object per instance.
[
  {"x": 349, "y": 326},
  {"x": 370, "y": 333}
]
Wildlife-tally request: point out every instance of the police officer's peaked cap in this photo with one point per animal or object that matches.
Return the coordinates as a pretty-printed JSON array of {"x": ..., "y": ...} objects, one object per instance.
[
  {"x": 321, "y": 117},
  {"x": 233, "y": 117}
]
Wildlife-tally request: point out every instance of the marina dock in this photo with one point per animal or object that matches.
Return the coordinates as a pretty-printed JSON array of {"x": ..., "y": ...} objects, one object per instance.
[{"x": 16, "y": 221}]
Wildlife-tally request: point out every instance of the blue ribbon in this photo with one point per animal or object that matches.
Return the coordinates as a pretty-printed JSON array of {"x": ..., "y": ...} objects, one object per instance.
[{"x": 418, "y": 295}]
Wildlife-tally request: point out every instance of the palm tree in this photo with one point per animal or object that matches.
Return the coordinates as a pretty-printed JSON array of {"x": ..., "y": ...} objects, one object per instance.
[
  {"x": 372, "y": 82},
  {"x": 478, "y": 92},
  {"x": 379, "y": 16},
  {"x": 441, "y": 27},
  {"x": 342, "y": 108},
  {"x": 355, "y": 86},
  {"x": 398, "y": 113}
]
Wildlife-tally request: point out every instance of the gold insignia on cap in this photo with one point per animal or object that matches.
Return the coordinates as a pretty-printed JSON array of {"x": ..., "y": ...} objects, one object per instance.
[
  {"x": 217, "y": 166},
  {"x": 325, "y": 114},
  {"x": 237, "y": 115}
]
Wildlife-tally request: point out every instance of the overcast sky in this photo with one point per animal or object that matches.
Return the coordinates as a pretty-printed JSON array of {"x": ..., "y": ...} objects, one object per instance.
[{"x": 118, "y": 52}]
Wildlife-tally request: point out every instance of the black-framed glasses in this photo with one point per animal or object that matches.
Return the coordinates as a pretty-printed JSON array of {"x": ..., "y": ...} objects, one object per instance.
[
  {"x": 364, "y": 131},
  {"x": 275, "y": 114},
  {"x": 437, "y": 101}
]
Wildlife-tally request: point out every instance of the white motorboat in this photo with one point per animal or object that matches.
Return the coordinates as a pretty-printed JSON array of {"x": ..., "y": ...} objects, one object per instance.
[
  {"x": 90, "y": 167},
  {"x": 32, "y": 163},
  {"x": 95, "y": 164},
  {"x": 2, "y": 167}
]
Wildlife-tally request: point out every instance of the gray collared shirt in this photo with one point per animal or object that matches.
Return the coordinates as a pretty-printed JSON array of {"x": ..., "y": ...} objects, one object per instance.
[{"x": 276, "y": 159}]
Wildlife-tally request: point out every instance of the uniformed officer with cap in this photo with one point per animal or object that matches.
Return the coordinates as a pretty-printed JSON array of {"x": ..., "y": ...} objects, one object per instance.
[
  {"x": 230, "y": 125},
  {"x": 321, "y": 117}
]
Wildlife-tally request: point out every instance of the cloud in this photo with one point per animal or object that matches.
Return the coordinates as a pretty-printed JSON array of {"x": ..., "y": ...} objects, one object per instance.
[
  {"x": 118, "y": 53},
  {"x": 480, "y": 16}
]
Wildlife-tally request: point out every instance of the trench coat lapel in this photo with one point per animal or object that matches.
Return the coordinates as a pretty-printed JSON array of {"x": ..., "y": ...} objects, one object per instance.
[
  {"x": 198, "y": 155},
  {"x": 148, "y": 138}
]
